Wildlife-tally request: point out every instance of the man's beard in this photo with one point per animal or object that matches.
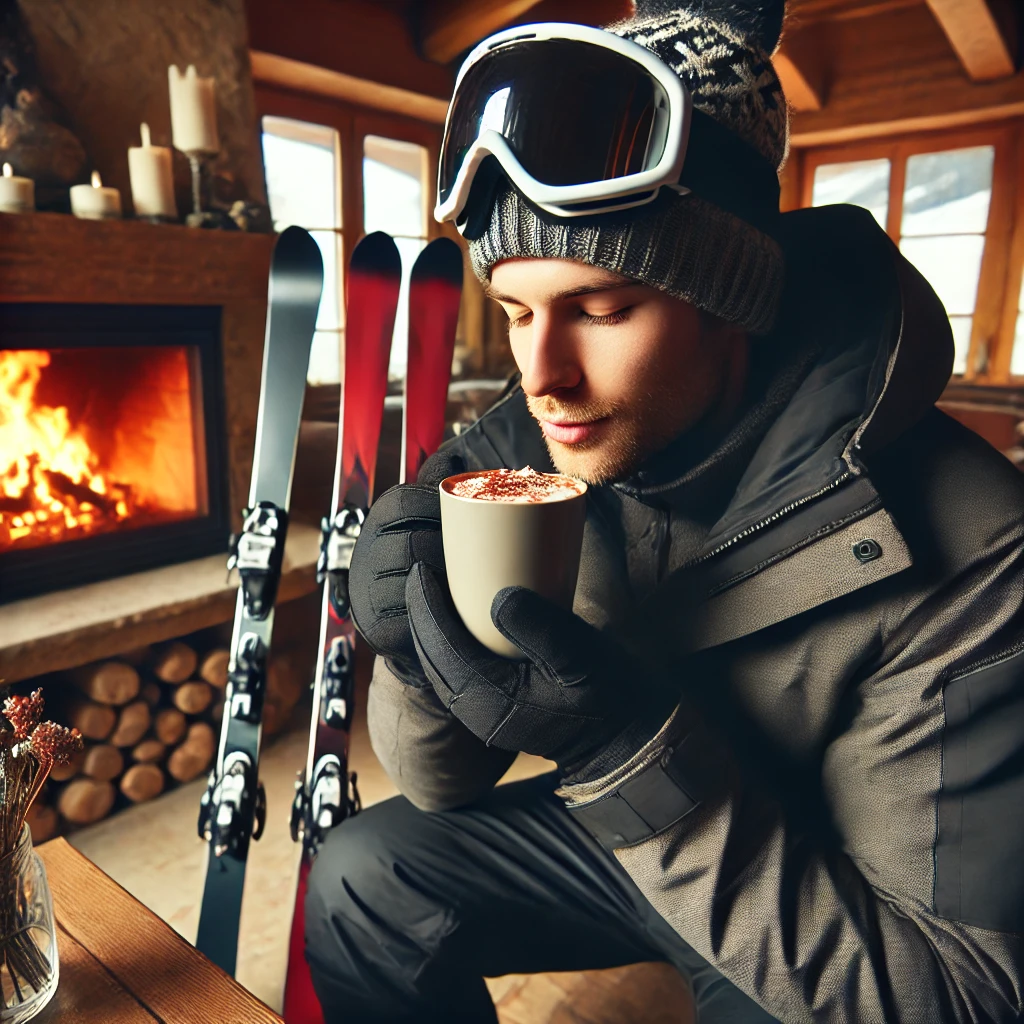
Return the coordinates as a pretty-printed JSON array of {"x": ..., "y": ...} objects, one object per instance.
[{"x": 624, "y": 441}]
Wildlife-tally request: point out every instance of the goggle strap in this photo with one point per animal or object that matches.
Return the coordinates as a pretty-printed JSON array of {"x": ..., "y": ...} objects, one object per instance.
[{"x": 727, "y": 172}]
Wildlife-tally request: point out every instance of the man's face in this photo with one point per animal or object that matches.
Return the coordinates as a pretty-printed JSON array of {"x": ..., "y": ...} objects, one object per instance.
[{"x": 613, "y": 370}]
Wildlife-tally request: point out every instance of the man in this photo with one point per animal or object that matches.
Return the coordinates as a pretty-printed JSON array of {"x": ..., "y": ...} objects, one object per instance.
[{"x": 788, "y": 712}]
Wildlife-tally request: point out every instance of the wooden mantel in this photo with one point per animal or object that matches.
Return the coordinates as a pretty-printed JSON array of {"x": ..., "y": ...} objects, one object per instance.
[{"x": 53, "y": 257}]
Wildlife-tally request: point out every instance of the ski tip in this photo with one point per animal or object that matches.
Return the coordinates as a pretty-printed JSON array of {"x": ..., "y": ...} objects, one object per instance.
[
  {"x": 297, "y": 258},
  {"x": 298, "y": 243},
  {"x": 440, "y": 260},
  {"x": 377, "y": 252}
]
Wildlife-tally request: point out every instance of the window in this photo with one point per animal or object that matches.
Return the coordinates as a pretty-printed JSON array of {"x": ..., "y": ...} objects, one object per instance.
[
  {"x": 302, "y": 163},
  {"x": 395, "y": 196},
  {"x": 946, "y": 201},
  {"x": 934, "y": 201},
  {"x": 860, "y": 182}
]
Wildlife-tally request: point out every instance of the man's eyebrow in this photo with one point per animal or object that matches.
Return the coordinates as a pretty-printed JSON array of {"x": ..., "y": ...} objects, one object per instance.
[{"x": 569, "y": 293}]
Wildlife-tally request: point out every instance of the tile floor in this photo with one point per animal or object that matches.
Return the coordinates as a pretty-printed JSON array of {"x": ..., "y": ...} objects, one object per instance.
[{"x": 152, "y": 850}]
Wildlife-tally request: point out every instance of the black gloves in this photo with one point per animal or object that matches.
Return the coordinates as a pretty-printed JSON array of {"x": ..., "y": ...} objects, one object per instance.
[
  {"x": 581, "y": 699},
  {"x": 402, "y": 527}
]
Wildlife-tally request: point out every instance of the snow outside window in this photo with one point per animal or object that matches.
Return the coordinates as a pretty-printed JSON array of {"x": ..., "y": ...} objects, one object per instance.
[
  {"x": 395, "y": 194},
  {"x": 303, "y": 169},
  {"x": 945, "y": 215}
]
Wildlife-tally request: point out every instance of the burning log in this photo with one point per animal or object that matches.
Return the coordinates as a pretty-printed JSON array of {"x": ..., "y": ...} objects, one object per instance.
[
  {"x": 84, "y": 801},
  {"x": 132, "y": 724},
  {"x": 102, "y": 762},
  {"x": 142, "y": 782},
  {"x": 174, "y": 662},
  {"x": 107, "y": 682},
  {"x": 65, "y": 487}
]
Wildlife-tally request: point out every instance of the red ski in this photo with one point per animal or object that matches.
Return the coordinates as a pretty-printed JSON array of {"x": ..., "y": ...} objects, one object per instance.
[
  {"x": 326, "y": 795},
  {"x": 435, "y": 292}
]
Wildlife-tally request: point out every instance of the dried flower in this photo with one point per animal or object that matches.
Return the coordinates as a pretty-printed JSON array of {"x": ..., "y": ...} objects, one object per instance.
[
  {"x": 24, "y": 713},
  {"x": 55, "y": 744}
]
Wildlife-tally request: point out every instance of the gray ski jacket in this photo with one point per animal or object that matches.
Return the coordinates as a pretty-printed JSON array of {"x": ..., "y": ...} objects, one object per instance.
[{"x": 834, "y": 815}]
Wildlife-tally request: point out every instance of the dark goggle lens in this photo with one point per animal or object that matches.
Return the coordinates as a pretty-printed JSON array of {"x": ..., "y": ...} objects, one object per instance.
[{"x": 572, "y": 112}]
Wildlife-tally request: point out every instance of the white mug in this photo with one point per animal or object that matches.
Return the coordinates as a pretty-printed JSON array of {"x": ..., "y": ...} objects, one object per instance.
[{"x": 489, "y": 545}]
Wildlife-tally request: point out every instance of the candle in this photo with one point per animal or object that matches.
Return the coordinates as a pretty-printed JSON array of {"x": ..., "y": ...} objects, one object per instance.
[
  {"x": 95, "y": 202},
  {"x": 193, "y": 111},
  {"x": 149, "y": 168},
  {"x": 17, "y": 195}
]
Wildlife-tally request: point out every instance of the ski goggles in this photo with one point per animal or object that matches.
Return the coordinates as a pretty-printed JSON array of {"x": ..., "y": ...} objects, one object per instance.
[{"x": 584, "y": 122}]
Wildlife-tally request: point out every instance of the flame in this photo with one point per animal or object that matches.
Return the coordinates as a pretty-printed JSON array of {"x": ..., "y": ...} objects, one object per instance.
[
  {"x": 55, "y": 486},
  {"x": 46, "y": 466},
  {"x": 97, "y": 181}
]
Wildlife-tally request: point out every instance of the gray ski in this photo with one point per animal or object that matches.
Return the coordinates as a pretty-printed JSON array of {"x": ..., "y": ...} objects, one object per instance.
[{"x": 233, "y": 809}]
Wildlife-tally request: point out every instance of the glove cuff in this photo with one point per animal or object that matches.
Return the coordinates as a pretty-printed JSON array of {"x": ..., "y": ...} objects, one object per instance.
[{"x": 622, "y": 748}]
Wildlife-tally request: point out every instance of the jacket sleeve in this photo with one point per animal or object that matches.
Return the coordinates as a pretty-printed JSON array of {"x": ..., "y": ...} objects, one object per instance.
[
  {"x": 839, "y": 931},
  {"x": 433, "y": 759}
]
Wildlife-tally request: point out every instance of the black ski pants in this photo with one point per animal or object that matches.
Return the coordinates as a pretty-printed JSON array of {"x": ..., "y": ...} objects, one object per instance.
[{"x": 408, "y": 911}]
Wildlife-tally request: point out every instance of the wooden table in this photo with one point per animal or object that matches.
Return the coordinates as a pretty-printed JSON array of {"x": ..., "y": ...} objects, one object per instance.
[{"x": 121, "y": 964}]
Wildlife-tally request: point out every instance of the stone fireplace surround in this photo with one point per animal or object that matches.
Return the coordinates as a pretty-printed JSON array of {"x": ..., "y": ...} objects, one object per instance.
[{"x": 58, "y": 258}]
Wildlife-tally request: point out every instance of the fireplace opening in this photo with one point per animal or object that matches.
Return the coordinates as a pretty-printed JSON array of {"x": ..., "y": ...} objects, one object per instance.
[{"x": 111, "y": 442}]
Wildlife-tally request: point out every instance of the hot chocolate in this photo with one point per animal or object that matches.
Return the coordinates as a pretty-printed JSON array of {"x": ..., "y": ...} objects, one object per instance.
[{"x": 515, "y": 486}]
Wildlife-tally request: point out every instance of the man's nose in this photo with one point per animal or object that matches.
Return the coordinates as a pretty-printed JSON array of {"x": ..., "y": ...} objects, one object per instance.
[{"x": 551, "y": 363}]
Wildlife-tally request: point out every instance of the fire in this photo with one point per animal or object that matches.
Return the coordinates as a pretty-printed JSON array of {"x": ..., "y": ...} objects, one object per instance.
[{"x": 51, "y": 483}]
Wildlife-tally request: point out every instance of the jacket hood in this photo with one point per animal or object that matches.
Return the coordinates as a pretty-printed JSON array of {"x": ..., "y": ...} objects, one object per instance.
[{"x": 885, "y": 354}]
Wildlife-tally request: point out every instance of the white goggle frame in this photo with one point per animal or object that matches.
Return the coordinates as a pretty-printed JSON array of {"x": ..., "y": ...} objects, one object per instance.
[{"x": 563, "y": 200}]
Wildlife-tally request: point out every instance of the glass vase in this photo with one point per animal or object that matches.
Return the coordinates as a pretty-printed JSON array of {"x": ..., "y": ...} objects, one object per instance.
[{"x": 28, "y": 936}]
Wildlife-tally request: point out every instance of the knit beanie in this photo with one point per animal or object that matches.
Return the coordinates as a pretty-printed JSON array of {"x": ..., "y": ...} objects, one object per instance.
[{"x": 684, "y": 245}]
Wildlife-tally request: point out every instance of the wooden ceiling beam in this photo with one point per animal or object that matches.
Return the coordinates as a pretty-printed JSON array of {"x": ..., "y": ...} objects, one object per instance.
[
  {"x": 294, "y": 75},
  {"x": 449, "y": 27},
  {"x": 805, "y": 12},
  {"x": 802, "y": 67},
  {"x": 983, "y": 33},
  {"x": 916, "y": 102}
]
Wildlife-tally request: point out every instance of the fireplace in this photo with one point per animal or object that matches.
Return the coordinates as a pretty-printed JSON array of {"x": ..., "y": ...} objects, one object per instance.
[{"x": 112, "y": 442}]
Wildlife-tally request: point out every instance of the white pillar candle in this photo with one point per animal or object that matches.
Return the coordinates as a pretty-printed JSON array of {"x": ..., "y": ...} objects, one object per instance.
[
  {"x": 17, "y": 195},
  {"x": 95, "y": 202},
  {"x": 149, "y": 168},
  {"x": 193, "y": 111}
]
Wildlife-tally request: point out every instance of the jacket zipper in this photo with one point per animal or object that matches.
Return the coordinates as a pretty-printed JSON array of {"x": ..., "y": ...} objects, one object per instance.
[{"x": 785, "y": 510}]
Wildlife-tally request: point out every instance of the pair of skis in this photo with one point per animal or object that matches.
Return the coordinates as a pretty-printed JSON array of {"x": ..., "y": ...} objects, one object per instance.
[{"x": 233, "y": 809}]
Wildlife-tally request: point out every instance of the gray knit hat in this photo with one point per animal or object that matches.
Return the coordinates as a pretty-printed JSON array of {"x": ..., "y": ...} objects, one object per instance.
[{"x": 681, "y": 244}]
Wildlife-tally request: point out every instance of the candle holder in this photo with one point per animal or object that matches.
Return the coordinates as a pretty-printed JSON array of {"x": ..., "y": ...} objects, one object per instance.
[{"x": 199, "y": 218}]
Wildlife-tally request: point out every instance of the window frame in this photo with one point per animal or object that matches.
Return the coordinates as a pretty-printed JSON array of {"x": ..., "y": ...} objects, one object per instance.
[
  {"x": 353, "y": 123},
  {"x": 992, "y": 329}
]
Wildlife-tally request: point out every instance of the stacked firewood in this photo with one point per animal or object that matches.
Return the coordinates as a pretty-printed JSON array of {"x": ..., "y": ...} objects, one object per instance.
[{"x": 150, "y": 719}]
